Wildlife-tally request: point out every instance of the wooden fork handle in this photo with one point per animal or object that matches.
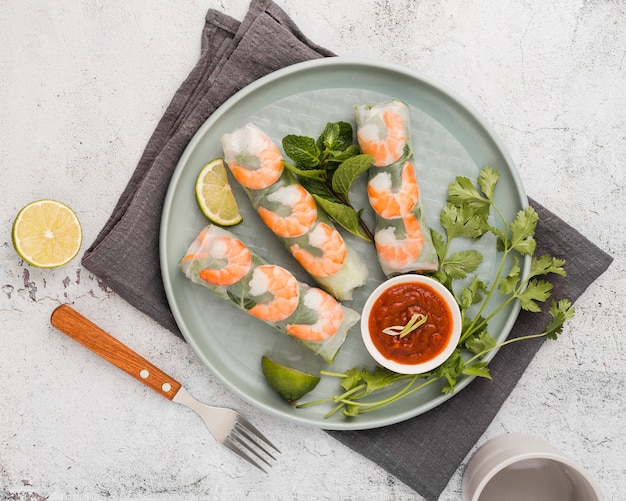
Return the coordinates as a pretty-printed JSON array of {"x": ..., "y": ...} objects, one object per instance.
[{"x": 81, "y": 329}]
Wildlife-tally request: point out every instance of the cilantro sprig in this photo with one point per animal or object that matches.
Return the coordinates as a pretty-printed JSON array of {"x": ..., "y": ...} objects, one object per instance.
[
  {"x": 327, "y": 168},
  {"x": 467, "y": 215}
]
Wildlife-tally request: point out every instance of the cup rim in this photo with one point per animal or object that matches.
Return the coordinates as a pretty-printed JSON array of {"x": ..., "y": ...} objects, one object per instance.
[
  {"x": 497, "y": 456},
  {"x": 429, "y": 364}
]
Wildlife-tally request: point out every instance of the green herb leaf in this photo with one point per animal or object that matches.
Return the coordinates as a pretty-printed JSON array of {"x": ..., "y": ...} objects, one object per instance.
[
  {"x": 302, "y": 150},
  {"x": 547, "y": 264},
  {"x": 316, "y": 174},
  {"x": 509, "y": 283},
  {"x": 477, "y": 369},
  {"x": 536, "y": 290},
  {"x": 459, "y": 264},
  {"x": 462, "y": 221},
  {"x": 348, "y": 172},
  {"x": 338, "y": 156},
  {"x": 380, "y": 379},
  {"x": 560, "y": 312},
  {"x": 345, "y": 216},
  {"x": 522, "y": 231},
  {"x": 487, "y": 180},
  {"x": 480, "y": 343},
  {"x": 336, "y": 136},
  {"x": 352, "y": 379},
  {"x": 462, "y": 191}
]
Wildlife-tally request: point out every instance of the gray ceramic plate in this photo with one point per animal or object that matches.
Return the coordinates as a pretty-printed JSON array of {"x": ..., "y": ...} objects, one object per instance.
[{"x": 449, "y": 139}]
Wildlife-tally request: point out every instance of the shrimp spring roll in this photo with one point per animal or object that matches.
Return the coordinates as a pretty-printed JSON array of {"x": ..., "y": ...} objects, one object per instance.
[
  {"x": 292, "y": 213},
  {"x": 222, "y": 263},
  {"x": 402, "y": 237}
]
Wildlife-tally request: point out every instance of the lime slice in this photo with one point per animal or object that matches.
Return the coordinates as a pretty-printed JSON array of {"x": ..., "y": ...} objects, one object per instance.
[
  {"x": 46, "y": 234},
  {"x": 292, "y": 384},
  {"x": 215, "y": 196}
]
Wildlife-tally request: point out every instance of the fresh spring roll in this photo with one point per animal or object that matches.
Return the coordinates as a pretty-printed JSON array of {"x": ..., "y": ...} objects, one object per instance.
[
  {"x": 402, "y": 237},
  {"x": 292, "y": 213},
  {"x": 222, "y": 263}
]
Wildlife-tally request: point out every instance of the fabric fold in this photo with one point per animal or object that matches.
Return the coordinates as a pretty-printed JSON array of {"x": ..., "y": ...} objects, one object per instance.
[{"x": 125, "y": 255}]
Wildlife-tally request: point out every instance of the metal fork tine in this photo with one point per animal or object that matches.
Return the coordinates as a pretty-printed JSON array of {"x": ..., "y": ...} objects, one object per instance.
[
  {"x": 245, "y": 432},
  {"x": 229, "y": 443},
  {"x": 251, "y": 428},
  {"x": 241, "y": 442}
]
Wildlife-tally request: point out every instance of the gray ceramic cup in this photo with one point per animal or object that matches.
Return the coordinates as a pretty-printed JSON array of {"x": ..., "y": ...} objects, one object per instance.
[{"x": 520, "y": 467}]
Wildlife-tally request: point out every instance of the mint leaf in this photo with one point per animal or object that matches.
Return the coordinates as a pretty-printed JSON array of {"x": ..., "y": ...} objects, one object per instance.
[
  {"x": 338, "y": 156},
  {"x": 316, "y": 174},
  {"x": 336, "y": 136},
  {"x": 302, "y": 150},
  {"x": 348, "y": 172},
  {"x": 344, "y": 215}
]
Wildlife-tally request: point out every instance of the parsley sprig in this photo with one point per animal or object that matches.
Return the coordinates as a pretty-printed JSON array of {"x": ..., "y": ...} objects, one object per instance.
[
  {"x": 327, "y": 168},
  {"x": 467, "y": 215}
]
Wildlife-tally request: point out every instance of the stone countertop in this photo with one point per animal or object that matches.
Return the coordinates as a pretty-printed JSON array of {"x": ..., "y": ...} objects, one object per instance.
[{"x": 83, "y": 85}]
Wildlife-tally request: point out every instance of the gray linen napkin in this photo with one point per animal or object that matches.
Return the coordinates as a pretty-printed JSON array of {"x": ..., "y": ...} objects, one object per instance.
[{"x": 234, "y": 54}]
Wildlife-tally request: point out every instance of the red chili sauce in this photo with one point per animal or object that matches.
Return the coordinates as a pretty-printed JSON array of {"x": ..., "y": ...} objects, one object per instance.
[{"x": 396, "y": 306}]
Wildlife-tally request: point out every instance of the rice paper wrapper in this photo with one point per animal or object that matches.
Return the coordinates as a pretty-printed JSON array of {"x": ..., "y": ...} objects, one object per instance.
[
  {"x": 292, "y": 214},
  {"x": 402, "y": 236},
  {"x": 220, "y": 262}
]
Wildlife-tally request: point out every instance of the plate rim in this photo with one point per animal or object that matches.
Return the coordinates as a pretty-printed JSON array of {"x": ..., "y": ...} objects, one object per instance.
[{"x": 262, "y": 82}]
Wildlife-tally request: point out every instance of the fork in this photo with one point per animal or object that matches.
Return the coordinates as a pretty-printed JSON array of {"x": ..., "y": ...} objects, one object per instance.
[{"x": 227, "y": 426}]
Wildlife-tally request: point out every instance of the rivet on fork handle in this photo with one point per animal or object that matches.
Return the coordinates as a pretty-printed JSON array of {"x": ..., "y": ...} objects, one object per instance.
[{"x": 84, "y": 331}]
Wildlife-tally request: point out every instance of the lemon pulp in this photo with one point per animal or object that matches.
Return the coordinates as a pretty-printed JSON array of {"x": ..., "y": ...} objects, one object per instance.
[
  {"x": 215, "y": 196},
  {"x": 47, "y": 234}
]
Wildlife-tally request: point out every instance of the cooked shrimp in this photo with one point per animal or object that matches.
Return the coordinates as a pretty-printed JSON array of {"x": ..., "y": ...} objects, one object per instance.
[
  {"x": 390, "y": 202},
  {"x": 329, "y": 251},
  {"x": 254, "y": 160},
  {"x": 384, "y": 141},
  {"x": 282, "y": 289},
  {"x": 329, "y": 317},
  {"x": 397, "y": 253},
  {"x": 230, "y": 257},
  {"x": 295, "y": 215}
]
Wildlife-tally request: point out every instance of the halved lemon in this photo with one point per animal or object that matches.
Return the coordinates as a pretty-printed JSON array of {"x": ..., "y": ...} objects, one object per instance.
[
  {"x": 47, "y": 234},
  {"x": 215, "y": 196}
]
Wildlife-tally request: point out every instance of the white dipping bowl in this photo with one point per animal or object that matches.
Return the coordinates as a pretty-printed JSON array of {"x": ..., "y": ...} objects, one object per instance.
[
  {"x": 425, "y": 366},
  {"x": 518, "y": 466}
]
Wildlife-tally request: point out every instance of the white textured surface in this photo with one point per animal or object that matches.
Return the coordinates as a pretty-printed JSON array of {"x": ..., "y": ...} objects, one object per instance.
[{"x": 82, "y": 86}]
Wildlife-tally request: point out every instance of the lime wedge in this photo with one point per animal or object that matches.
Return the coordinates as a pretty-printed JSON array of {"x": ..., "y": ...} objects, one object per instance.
[
  {"x": 46, "y": 234},
  {"x": 292, "y": 384},
  {"x": 215, "y": 196}
]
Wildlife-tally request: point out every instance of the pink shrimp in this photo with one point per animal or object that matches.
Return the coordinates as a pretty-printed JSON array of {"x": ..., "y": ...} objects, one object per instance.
[
  {"x": 386, "y": 145},
  {"x": 254, "y": 160},
  {"x": 398, "y": 253},
  {"x": 329, "y": 317},
  {"x": 329, "y": 254},
  {"x": 278, "y": 283},
  {"x": 393, "y": 203},
  {"x": 231, "y": 258},
  {"x": 301, "y": 208}
]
